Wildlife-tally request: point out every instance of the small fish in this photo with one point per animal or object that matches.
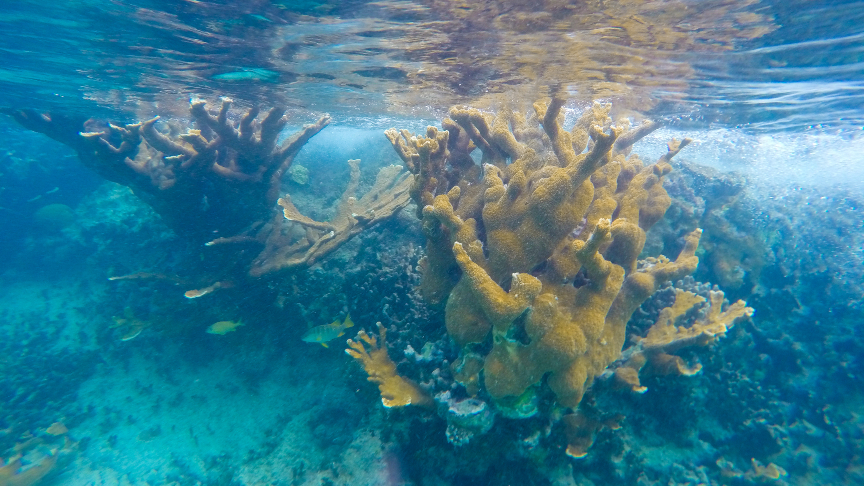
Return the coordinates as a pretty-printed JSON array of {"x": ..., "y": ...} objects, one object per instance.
[
  {"x": 327, "y": 332},
  {"x": 129, "y": 325},
  {"x": 195, "y": 293},
  {"x": 248, "y": 74},
  {"x": 57, "y": 428},
  {"x": 224, "y": 327}
]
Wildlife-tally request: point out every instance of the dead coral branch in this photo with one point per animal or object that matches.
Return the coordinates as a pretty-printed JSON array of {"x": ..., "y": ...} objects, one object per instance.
[
  {"x": 216, "y": 176},
  {"x": 293, "y": 240}
]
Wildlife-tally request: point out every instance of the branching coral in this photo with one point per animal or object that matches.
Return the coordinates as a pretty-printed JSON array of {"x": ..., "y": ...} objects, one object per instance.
[
  {"x": 282, "y": 250},
  {"x": 216, "y": 177},
  {"x": 396, "y": 391},
  {"x": 224, "y": 178},
  {"x": 543, "y": 242},
  {"x": 671, "y": 332}
]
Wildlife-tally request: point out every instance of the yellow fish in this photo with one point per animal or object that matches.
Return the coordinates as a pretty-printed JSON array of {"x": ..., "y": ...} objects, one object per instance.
[
  {"x": 327, "y": 332},
  {"x": 224, "y": 327}
]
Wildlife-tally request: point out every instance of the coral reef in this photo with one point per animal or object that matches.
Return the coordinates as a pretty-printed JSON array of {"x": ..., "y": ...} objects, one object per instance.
[
  {"x": 733, "y": 251},
  {"x": 784, "y": 392},
  {"x": 546, "y": 227},
  {"x": 582, "y": 429},
  {"x": 224, "y": 178},
  {"x": 213, "y": 178}
]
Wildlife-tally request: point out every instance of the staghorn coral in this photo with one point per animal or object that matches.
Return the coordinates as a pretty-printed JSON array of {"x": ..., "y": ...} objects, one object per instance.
[
  {"x": 396, "y": 391},
  {"x": 539, "y": 249}
]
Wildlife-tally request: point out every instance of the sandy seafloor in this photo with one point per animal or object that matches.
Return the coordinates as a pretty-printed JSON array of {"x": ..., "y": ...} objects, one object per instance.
[{"x": 152, "y": 420}]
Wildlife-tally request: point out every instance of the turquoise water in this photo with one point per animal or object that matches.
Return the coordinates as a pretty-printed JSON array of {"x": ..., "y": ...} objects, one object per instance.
[{"x": 163, "y": 284}]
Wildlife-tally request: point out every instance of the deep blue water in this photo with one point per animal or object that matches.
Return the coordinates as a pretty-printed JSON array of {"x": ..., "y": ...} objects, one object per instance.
[{"x": 771, "y": 93}]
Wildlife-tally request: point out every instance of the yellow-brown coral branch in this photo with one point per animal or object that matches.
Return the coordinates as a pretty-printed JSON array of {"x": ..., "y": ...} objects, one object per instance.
[
  {"x": 501, "y": 307},
  {"x": 396, "y": 391}
]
